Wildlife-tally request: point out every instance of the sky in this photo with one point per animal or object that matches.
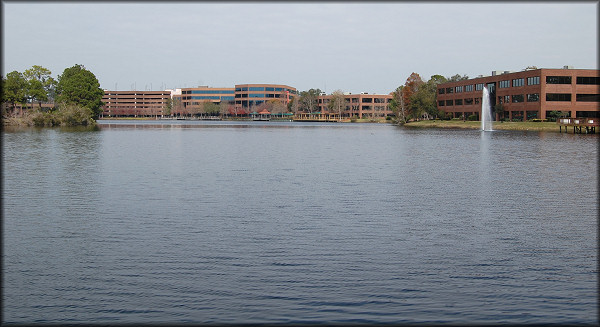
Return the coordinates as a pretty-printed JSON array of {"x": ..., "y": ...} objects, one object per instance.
[{"x": 350, "y": 46}]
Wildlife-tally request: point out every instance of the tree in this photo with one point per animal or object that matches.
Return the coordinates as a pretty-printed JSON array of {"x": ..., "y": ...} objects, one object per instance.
[
  {"x": 337, "y": 102},
  {"x": 40, "y": 84},
  {"x": 499, "y": 110},
  {"x": 79, "y": 86},
  {"x": 411, "y": 86},
  {"x": 398, "y": 106},
  {"x": 424, "y": 101},
  {"x": 294, "y": 105},
  {"x": 457, "y": 78},
  {"x": 224, "y": 108},
  {"x": 211, "y": 108},
  {"x": 168, "y": 107},
  {"x": 308, "y": 99},
  {"x": 14, "y": 90}
]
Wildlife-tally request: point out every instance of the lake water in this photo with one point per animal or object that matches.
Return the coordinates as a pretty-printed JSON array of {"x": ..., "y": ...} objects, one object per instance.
[{"x": 273, "y": 222}]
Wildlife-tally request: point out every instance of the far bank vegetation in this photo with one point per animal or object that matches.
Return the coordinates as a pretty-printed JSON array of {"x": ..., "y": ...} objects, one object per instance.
[{"x": 35, "y": 98}]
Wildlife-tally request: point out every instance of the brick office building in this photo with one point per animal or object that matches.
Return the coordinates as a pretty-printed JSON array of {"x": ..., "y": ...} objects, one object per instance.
[{"x": 525, "y": 95}]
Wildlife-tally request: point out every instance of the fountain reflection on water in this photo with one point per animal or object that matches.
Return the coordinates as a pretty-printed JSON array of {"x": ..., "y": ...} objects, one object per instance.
[{"x": 486, "y": 111}]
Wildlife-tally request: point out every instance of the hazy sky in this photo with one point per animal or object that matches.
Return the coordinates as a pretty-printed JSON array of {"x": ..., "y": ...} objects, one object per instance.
[{"x": 354, "y": 46}]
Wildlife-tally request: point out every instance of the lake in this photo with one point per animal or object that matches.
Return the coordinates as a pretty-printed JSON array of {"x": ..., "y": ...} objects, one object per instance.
[{"x": 286, "y": 222}]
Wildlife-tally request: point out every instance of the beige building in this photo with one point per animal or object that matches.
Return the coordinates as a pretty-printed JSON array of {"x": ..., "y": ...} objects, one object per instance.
[
  {"x": 248, "y": 97},
  {"x": 361, "y": 105}
]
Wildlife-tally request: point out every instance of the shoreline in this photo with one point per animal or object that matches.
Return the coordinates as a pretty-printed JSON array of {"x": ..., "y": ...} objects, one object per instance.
[
  {"x": 499, "y": 126},
  {"x": 552, "y": 127}
]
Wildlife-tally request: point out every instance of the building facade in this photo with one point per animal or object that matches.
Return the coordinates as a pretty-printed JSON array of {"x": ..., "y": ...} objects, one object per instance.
[
  {"x": 134, "y": 103},
  {"x": 525, "y": 95},
  {"x": 249, "y": 97},
  {"x": 361, "y": 105},
  {"x": 193, "y": 101}
]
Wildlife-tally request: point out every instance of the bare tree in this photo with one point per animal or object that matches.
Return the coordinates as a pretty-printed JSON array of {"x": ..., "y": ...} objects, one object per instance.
[
  {"x": 337, "y": 102},
  {"x": 399, "y": 107}
]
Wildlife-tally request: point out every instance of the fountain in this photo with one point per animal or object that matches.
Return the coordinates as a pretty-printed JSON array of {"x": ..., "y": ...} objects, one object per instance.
[{"x": 486, "y": 111}]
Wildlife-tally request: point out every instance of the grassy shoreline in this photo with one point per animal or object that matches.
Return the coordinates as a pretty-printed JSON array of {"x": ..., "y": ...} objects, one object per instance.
[
  {"x": 505, "y": 126},
  {"x": 436, "y": 124}
]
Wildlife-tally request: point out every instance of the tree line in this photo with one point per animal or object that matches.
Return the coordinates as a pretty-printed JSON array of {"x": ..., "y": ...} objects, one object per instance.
[{"x": 76, "y": 95}]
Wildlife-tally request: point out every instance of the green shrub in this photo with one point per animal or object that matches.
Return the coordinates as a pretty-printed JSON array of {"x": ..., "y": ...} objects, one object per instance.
[
  {"x": 40, "y": 118},
  {"x": 72, "y": 115},
  {"x": 472, "y": 117}
]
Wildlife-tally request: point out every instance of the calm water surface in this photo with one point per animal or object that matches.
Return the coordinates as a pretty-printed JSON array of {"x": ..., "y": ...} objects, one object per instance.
[{"x": 222, "y": 222}]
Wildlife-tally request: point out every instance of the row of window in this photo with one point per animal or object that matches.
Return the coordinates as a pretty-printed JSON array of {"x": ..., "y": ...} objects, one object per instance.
[
  {"x": 264, "y": 89},
  {"x": 207, "y": 92},
  {"x": 210, "y": 97},
  {"x": 259, "y": 95},
  {"x": 517, "y": 98},
  {"x": 517, "y": 82}
]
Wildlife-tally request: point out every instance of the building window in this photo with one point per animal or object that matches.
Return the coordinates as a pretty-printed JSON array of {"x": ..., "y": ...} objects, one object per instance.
[
  {"x": 367, "y": 100},
  {"x": 477, "y": 100},
  {"x": 518, "y": 98},
  {"x": 211, "y": 91},
  {"x": 379, "y": 100},
  {"x": 558, "y": 96},
  {"x": 588, "y": 80},
  {"x": 458, "y": 89},
  {"x": 269, "y": 89},
  {"x": 533, "y": 80},
  {"x": 479, "y": 86},
  {"x": 503, "y": 84},
  {"x": 469, "y": 101},
  {"x": 440, "y": 103},
  {"x": 469, "y": 88},
  {"x": 256, "y": 89},
  {"x": 534, "y": 97},
  {"x": 449, "y": 103},
  {"x": 441, "y": 91},
  {"x": 558, "y": 79},
  {"x": 449, "y": 90},
  {"x": 588, "y": 97},
  {"x": 518, "y": 82}
]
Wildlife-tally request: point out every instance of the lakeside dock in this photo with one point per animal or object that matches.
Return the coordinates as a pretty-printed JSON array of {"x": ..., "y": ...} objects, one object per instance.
[{"x": 579, "y": 124}]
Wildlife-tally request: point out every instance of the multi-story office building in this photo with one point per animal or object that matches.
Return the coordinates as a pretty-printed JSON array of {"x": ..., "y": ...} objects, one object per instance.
[
  {"x": 250, "y": 96},
  {"x": 360, "y": 105},
  {"x": 524, "y": 95},
  {"x": 134, "y": 103},
  {"x": 191, "y": 100}
]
